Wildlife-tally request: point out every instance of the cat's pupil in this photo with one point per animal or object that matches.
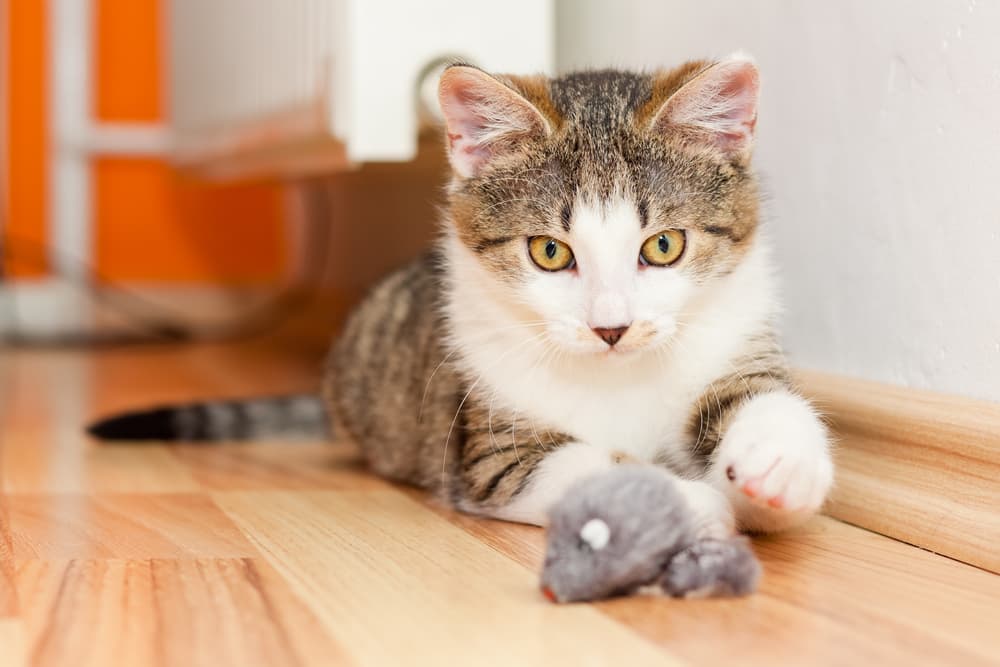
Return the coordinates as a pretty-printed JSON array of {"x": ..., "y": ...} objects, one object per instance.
[
  {"x": 550, "y": 249},
  {"x": 664, "y": 244}
]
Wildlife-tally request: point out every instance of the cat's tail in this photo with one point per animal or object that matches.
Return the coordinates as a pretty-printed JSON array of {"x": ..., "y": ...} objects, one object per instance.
[{"x": 298, "y": 416}]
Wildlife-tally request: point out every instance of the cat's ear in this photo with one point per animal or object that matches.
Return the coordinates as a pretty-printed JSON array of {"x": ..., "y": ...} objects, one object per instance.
[
  {"x": 718, "y": 107},
  {"x": 484, "y": 118}
]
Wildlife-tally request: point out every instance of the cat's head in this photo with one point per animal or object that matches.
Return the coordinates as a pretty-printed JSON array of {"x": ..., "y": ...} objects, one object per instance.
[{"x": 601, "y": 204}]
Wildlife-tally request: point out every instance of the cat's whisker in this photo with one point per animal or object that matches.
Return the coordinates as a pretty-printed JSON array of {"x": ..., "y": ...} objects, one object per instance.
[
  {"x": 664, "y": 353},
  {"x": 702, "y": 432},
  {"x": 494, "y": 445},
  {"x": 458, "y": 411},
  {"x": 456, "y": 350},
  {"x": 513, "y": 437},
  {"x": 513, "y": 424},
  {"x": 751, "y": 392},
  {"x": 549, "y": 347}
]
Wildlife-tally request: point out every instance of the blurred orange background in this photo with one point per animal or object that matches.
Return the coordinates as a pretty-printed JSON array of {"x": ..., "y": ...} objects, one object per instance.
[{"x": 149, "y": 223}]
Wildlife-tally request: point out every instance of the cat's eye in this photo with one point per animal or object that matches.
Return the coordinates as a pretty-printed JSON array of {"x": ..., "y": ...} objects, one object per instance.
[
  {"x": 663, "y": 249},
  {"x": 550, "y": 254}
]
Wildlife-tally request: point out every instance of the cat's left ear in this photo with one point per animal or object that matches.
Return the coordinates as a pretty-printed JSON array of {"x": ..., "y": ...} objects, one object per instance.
[
  {"x": 485, "y": 119},
  {"x": 717, "y": 107}
]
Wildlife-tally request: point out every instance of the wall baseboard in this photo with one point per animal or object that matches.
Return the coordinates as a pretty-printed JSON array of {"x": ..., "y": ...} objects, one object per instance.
[
  {"x": 49, "y": 307},
  {"x": 917, "y": 466},
  {"x": 41, "y": 307},
  {"x": 54, "y": 313}
]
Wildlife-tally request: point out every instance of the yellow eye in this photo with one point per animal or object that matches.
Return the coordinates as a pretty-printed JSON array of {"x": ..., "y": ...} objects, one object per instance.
[
  {"x": 550, "y": 254},
  {"x": 663, "y": 249}
]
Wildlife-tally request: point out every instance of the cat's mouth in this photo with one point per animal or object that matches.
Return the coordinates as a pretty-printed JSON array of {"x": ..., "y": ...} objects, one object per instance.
[{"x": 620, "y": 350}]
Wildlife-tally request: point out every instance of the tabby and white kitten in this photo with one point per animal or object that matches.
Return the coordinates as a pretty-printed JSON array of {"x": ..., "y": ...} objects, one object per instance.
[{"x": 602, "y": 292}]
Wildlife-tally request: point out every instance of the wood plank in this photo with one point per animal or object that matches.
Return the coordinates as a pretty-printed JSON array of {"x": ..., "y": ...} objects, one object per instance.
[
  {"x": 283, "y": 465},
  {"x": 831, "y": 594},
  {"x": 8, "y": 591},
  {"x": 44, "y": 449},
  {"x": 396, "y": 584},
  {"x": 167, "y": 612},
  {"x": 914, "y": 465},
  {"x": 35, "y": 467},
  {"x": 12, "y": 652},
  {"x": 930, "y": 607},
  {"x": 123, "y": 526}
]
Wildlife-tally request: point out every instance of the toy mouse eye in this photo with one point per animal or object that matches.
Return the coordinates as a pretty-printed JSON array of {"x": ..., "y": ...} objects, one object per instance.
[{"x": 595, "y": 534}]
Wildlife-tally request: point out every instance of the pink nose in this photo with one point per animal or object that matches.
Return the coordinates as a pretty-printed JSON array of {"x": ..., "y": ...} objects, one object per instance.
[{"x": 610, "y": 335}]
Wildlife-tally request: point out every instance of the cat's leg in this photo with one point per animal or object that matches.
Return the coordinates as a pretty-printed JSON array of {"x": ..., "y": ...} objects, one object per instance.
[
  {"x": 525, "y": 490},
  {"x": 771, "y": 452},
  {"x": 510, "y": 470},
  {"x": 536, "y": 490}
]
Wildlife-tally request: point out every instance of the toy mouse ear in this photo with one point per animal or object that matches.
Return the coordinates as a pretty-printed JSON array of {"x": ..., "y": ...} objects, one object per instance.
[{"x": 596, "y": 534}]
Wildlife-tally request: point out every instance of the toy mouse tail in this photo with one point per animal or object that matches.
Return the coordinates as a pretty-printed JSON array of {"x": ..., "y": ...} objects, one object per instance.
[{"x": 713, "y": 568}]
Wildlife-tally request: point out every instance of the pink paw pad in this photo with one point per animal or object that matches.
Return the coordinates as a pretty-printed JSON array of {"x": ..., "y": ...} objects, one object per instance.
[{"x": 754, "y": 486}]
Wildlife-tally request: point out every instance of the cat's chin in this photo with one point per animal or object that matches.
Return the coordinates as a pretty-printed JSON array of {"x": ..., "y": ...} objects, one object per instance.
[{"x": 618, "y": 353}]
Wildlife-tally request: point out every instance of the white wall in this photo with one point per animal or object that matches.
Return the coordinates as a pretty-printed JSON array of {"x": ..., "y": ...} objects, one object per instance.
[{"x": 879, "y": 143}]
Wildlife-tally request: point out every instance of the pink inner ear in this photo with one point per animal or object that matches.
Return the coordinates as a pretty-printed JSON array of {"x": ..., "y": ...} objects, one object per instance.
[
  {"x": 482, "y": 114},
  {"x": 721, "y": 103},
  {"x": 466, "y": 128},
  {"x": 741, "y": 94}
]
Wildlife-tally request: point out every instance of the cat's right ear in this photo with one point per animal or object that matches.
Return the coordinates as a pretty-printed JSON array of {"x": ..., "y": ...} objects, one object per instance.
[{"x": 484, "y": 118}]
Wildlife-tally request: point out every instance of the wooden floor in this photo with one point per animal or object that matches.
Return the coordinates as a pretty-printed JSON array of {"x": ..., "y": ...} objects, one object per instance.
[{"x": 291, "y": 554}]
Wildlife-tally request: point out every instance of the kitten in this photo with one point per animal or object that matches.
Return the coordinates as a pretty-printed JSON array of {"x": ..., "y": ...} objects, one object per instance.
[{"x": 601, "y": 292}]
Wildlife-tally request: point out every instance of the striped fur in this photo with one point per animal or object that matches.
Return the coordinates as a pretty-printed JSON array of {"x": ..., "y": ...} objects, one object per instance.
[
  {"x": 760, "y": 372},
  {"x": 392, "y": 383}
]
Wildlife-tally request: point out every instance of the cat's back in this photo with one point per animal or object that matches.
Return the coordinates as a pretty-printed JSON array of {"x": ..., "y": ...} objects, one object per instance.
[{"x": 378, "y": 385}]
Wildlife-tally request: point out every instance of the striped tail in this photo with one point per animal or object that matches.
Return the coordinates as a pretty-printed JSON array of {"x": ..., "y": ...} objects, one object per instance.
[{"x": 283, "y": 417}]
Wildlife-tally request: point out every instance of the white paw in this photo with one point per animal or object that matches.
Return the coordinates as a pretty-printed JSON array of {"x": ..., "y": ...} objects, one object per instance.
[{"x": 776, "y": 455}]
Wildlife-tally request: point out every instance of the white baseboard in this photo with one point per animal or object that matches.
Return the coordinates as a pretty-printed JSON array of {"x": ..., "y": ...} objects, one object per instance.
[
  {"x": 50, "y": 307},
  {"x": 43, "y": 307},
  {"x": 914, "y": 465}
]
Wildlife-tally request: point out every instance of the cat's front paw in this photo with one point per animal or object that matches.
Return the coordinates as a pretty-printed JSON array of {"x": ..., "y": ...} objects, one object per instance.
[{"x": 775, "y": 459}]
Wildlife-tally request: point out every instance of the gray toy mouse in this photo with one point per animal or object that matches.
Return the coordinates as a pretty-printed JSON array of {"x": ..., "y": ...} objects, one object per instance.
[{"x": 616, "y": 532}]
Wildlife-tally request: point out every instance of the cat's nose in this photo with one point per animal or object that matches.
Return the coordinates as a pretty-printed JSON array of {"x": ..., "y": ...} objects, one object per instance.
[{"x": 610, "y": 335}]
